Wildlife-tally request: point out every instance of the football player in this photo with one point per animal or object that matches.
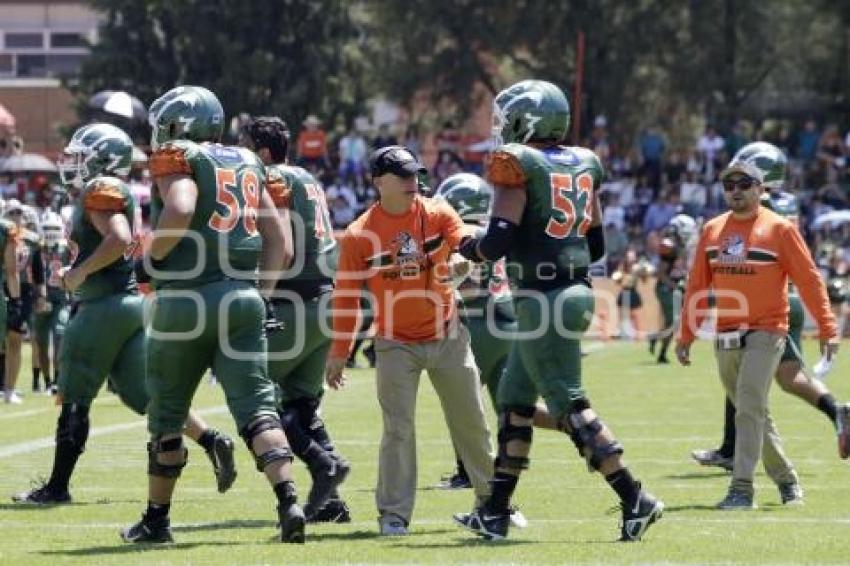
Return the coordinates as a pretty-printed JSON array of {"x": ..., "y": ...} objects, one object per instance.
[
  {"x": 104, "y": 289},
  {"x": 771, "y": 162},
  {"x": 546, "y": 219},
  {"x": 214, "y": 226},
  {"x": 305, "y": 294},
  {"x": 676, "y": 239}
]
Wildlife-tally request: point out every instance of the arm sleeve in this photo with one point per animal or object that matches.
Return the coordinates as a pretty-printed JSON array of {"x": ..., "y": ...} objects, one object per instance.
[
  {"x": 169, "y": 160},
  {"x": 699, "y": 280},
  {"x": 345, "y": 296},
  {"x": 797, "y": 261},
  {"x": 280, "y": 192},
  {"x": 104, "y": 196},
  {"x": 505, "y": 170}
]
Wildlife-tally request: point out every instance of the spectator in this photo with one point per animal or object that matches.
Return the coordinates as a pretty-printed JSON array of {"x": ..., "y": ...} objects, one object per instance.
[
  {"x": 8, "y": 188},
  {"x": 694, "y": 195},
  {"x": 352, "y": 157},
  {"x": 710, "y": 145},
  {"x": 660, "y": 212},
  {"x": 384, "y": 137},
  {"x": 342, "y": 213},
  {"x": 652, "y": 148},
  {"x": 411, "y": 140},
  {"x": 599, "y": 140},
  {"x": 614, "y": 213},
  {"x": 674, "y": 168},
  {"x": 735, "y": 140},
  {"x": 448, "y": 163},
  {"x": 312, "y": 148},
  {"x": 831, "y": 154},
  {"x": 474, "y": 150},
  {"x": 449, "y": 138},
  {"x": 616, "y": 243}
]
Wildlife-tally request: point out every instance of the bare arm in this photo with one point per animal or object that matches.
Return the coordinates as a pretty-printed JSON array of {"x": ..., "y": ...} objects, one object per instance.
[
  {"x": 179, "y": 195},
  {"x": 10, "y": 263},
  {"x": 509, "y": 204},
  {"x": 274, "y": 228}
]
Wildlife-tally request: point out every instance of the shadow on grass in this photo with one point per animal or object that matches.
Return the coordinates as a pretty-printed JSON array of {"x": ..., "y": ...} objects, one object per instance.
[
  {"x": 234, "y": 524},
  {"x": 351, "y": 535},
  {"x": 698, "y": 475},
  {"x": 36, "y": 507},
  {"x": 696, "y": 507},
  {"x": 124, "y": 548},
  {"x": 410, "y": 542}
]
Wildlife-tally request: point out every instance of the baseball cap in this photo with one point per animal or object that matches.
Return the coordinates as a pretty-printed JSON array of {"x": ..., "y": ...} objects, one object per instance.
[
  {"x": 395, "y": 159},
  {"x": 743, "y": 168}
]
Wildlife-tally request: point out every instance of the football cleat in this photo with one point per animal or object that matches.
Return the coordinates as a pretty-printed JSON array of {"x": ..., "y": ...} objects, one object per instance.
[
  {"x": 712, "y": 458},
  {"x": 636, "y": 520},
  {"x": 325, "y": 482},
  {"x": 457, "y": 480},
  {"x": 224, "y": 466},
  {"x": 146, "y": 530},
  {"x": 42, "y": 494},
  {"x": 334, "y": 511},
  {"x": 842, "y": 425},
  {"x": 292, "y": 522},
  {"x": 490, "y": 526}
]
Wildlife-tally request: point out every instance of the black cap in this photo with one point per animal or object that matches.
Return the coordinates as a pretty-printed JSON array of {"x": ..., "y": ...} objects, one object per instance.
[{"x": 395, "y": 159}]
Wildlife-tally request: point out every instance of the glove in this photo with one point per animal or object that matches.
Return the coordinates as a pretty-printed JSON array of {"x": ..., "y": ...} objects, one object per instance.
[
  {"x": 142, "y": 275},
  {"x": 14, "y": 313},
  {"x": 271, "y": 323}
]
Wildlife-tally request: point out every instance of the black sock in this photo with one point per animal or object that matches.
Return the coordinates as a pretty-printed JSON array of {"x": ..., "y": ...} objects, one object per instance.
[
  {"x": 826, "y": 405},
  {"x": 285, "y": 492},
  {"x": 35, "y": 375},
  {"x": 157, "y": 511},
  {"x": 461, "y": 469},
  {"x": 2, "y": 371},
  {"x": 625, "y": 485},
  {"x": 207, "y": 439},
  {"x": 64, "y": 461},
  {"x": 316, "y": 458},
  {"x": 727, "y": 448},
  {"x": 504, "y": 486}
]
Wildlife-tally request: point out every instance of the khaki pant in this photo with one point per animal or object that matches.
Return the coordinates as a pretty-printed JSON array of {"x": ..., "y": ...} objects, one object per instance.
[
  {"x": 453, "y": 373},
  {"x": 746, "y": 374}
]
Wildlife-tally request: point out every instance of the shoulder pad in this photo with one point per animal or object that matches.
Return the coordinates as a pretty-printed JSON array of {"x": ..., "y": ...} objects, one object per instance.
[
  {"x": 278, "y": 186},
  {"x": 171, "y": 159},
  {"x": 105, "y": 194},
  {"x": 505, "y": 169}
]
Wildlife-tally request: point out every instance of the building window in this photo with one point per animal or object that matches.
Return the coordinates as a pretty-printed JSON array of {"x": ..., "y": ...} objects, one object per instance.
[
  {"x": 64, "y": 65},
  {"x": 67, "y": 39},
  {"x": 27, "y": 40},
  {"x": 32, "y": 65},
  {"x": 6, "y": 66}
]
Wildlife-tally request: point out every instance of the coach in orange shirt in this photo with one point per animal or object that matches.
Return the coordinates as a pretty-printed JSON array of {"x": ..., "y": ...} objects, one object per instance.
[
  {"x": 400, "y": 249},
  {"x": 745, "y": 257}
]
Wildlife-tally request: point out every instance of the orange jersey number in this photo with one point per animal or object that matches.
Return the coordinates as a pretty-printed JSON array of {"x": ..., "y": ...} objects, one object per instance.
[
  {"x": 225, "y": 186},
  {"x": 564, "y": 197}
]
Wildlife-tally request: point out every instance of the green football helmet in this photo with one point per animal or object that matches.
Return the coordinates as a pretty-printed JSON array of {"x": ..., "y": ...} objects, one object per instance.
[
  {"x": 470, "y": 195},
  {"x": 52, "y": 229},
  {"x": 762, "y": 161},
  {"x": 681, "y": 227},
  {"x": 95, "y": 149},
  {"x": 530, "y": 111},
  {"x": 188, "y": 113}
]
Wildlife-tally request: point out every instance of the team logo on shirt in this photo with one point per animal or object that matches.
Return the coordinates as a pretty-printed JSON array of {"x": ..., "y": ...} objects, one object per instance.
[
  {"x": 732, "y": 250},
  {"x": 407, "y": 255}
]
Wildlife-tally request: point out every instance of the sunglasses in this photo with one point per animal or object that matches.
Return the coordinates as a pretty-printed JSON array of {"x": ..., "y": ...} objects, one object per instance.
[{"x": 744, "y": 183}]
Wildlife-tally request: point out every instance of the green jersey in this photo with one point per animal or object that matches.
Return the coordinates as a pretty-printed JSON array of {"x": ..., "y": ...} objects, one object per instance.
[
  {"x": 222, "y": 241},
  {"x": 54, "y": 258},
  {"x": 102, "y": 194},
  {"x": 316, "y": 249},
  {"x": 550, "y": 245}
]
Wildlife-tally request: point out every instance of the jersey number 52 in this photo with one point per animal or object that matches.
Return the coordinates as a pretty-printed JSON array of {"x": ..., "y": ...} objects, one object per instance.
[{"x": 567, "y": 195}]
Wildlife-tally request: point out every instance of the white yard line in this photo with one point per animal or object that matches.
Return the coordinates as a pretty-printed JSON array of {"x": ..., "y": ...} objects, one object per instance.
[
  {"x": 19, "y": 414},
  {"x": 48, "y": 441}
]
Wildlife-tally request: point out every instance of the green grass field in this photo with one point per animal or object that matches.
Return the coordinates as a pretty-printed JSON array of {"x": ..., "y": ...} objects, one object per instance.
[{"x": 660, "y": 414}]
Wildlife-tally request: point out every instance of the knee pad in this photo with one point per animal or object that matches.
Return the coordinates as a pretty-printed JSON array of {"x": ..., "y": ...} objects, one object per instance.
[
  {"x": 509, "y": 432},
  {"x": 72, "y": 429},
  {"x": 274, "y": 455},
  {"x": 258, "y": 426},
  {"x": 158, "y": 446},
  {"x": 584, "y": 435}
]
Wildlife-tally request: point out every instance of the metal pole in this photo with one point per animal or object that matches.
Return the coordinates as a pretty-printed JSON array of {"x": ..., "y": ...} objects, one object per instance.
[{"x": 579, "y": 80}]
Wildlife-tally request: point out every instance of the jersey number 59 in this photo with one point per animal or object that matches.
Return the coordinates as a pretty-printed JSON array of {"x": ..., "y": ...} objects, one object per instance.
[{"x": 567, "y": 194}]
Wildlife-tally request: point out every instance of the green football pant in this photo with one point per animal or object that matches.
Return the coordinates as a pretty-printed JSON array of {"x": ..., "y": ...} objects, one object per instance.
[
  {"x": 491, "y": 352},
  {"x": 545, "y": 359},
  {"x": 796, "y": 317},
  {"x": 50, "y": 323},
  {"x": 105, "y": 337},
  {"x": 666, "y": 300},
  {"x": 297, "y": 354},
  {"x": 217, "y": 325}
]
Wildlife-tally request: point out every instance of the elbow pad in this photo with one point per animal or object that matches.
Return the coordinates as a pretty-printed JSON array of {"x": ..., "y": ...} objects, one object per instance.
[
  {"x": 596, "y": 243},
  {"x": 493, "y": 245}
]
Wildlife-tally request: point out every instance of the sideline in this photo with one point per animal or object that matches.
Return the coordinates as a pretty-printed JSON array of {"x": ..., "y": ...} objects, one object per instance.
[{"x": 48, "y": 441}]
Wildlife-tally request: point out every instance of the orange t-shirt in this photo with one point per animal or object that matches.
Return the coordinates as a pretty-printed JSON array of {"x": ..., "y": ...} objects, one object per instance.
[
  {"x": 747, "y": 264},
  {"x": 403, "y": 262},
  {"x": 312, "y": 144}
]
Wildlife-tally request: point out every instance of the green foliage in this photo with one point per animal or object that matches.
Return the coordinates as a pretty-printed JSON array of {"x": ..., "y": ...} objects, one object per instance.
[{"x": 288, "y": 58}]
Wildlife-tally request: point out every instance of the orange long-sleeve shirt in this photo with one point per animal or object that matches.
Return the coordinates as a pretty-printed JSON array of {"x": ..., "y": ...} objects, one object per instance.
[
  {"x": 403, "y": 262},
  {"x": 747, "y": 264}
]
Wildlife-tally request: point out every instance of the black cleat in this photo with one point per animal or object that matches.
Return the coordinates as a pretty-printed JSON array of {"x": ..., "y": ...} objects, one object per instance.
[
  {"x": 456, "y": 481},
  {"x": 489, "y": 526},
  {"x": 146, "y": 530},
  {"x": 292, "y": 522},
  {"x": 224, "y": 466},
  {"x": 334, "y": 511},
  {"x": 325, "y": 482},
  {"x": 42, "y": 494},
  {"x": 636, "y": 520}
]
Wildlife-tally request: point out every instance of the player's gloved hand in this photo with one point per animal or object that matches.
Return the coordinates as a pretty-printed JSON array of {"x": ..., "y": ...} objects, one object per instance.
[
  {"x": 271, "y": 324},
  {"x": 14, "y": 313}
]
